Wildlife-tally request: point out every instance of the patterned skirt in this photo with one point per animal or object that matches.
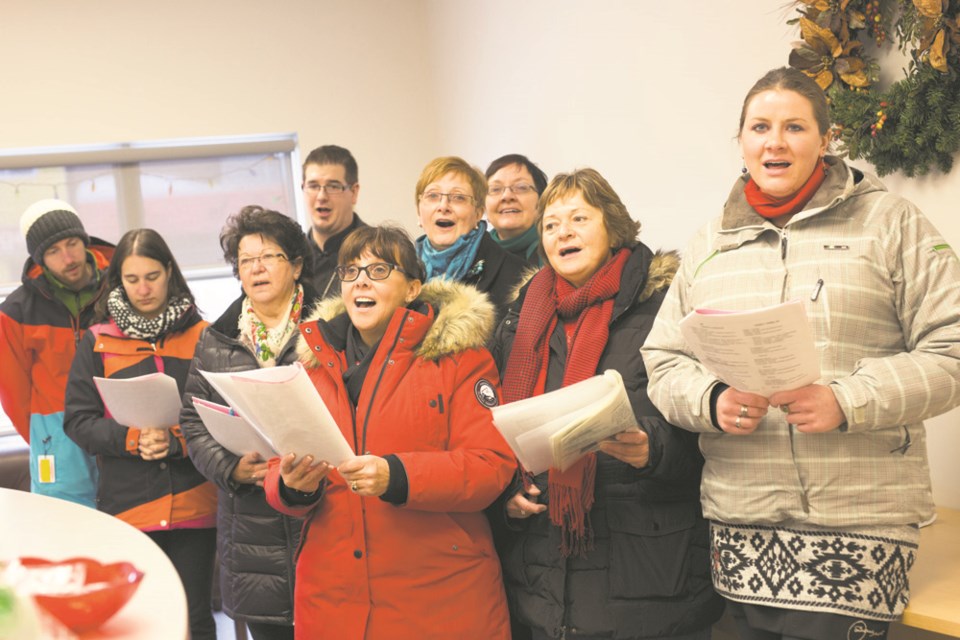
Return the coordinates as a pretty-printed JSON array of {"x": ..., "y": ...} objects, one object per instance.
[{"x": 853, "y": 572}]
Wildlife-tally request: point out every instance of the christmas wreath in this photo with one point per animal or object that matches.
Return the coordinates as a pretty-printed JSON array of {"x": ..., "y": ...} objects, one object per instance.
[{"x": 912, "y": 125}]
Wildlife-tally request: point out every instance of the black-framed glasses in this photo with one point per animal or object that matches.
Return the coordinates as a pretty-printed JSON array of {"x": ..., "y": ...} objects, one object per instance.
[
  {"x": 375, "y": 271},
  {"x": 266, "y": 259},
  {"x": 519, "y": 189},
  {"x": 435, "y": 197},
  {"x": 332, "y": 188}
]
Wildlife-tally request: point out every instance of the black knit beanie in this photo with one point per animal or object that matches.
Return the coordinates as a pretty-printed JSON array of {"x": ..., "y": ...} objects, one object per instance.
[{"x": 47, "y": 222}]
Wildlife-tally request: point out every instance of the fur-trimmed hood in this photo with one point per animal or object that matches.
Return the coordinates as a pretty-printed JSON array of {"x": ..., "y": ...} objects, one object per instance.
[
  {"x": 463, "y": 319},
  {"x": 663, "y": 267}
]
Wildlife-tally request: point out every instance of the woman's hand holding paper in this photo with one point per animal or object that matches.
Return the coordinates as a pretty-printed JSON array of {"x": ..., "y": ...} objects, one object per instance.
[
  {"x": 304, "y": 476},
  {"x": 739, "y": 412},
  {"x": 366, "y": 475},
  {"x": 811, "y": 409},
  {"x": 631, "y": 446},
  {"x": 251, "y": 469}
]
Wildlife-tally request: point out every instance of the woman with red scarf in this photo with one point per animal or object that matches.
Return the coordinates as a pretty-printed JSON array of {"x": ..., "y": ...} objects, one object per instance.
[
  {"x": 814, "y": 494},
  {"x": 614, "y": 546}
]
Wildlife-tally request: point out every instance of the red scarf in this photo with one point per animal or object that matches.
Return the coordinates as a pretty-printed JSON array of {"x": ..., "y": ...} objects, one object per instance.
[
  {"x": 770, "y": 207},
  {"x": 591, "y": 308}
]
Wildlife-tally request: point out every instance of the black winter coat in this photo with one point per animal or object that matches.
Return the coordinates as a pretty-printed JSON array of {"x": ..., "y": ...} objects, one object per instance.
[
  {"x": 496, "y": 272},
  {"x": 257, "y": 545},
  {"x": 648, "y": 574}
]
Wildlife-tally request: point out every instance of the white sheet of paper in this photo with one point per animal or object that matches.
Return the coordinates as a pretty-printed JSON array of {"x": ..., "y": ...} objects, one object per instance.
[
  {"x": 760, "y": 351},
  {"x": 555, "y": 429},
  {"x": 284, "y": 406},
  {"x": 151, "y": 401},
  {"x": 234, "y": 433}
]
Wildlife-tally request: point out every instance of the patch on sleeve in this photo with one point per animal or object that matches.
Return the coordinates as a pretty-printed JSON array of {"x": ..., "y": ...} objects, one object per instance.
[{"x": 486, "y": 394}]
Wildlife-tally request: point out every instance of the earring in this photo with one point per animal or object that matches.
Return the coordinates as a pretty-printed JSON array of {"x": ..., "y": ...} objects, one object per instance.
[{"x": 744, "y": 169}]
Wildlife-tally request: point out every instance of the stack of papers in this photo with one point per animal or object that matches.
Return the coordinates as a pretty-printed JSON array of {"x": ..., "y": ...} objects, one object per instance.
[
  {"x": 558, "y": 428},
  {"x": 281, "y": 409},
  {"x": 760, "y": 351}
]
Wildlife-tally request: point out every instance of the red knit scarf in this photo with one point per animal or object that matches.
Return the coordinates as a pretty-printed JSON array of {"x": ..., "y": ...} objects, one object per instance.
[
  {"x": 591, "y": 308},
  {"x": 770, "y": 207}
]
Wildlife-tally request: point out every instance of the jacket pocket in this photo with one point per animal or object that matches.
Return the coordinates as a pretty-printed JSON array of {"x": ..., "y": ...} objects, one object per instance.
[{"x": 649, "y": 548}]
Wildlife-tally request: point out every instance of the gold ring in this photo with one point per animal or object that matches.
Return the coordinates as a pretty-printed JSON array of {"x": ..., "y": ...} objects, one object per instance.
[
  {"x": 737, "y": 423},
  {"x": 353, "y": 485},
  {"x": 743, "y": 411}
]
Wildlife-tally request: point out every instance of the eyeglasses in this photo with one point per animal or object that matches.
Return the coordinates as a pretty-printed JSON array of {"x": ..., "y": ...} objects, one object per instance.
[
  {"x": 266, "y": 259},
  {"x": 332, "y": 188},
  {"x": 518, "y": 190},
  {"x": 375, "y": 271},
  {"x": 435, "y": 197}
]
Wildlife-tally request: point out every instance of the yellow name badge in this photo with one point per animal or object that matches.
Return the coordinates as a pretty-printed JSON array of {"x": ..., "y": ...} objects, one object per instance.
[{"x": 46, "y": 470}]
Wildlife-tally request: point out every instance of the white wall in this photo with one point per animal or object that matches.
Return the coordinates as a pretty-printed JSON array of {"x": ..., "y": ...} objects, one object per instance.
[{"x": 648, "y": 93}]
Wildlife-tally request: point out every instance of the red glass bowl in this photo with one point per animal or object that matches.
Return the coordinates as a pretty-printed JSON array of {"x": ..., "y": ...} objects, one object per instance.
[{"x": 107, "y": 587}]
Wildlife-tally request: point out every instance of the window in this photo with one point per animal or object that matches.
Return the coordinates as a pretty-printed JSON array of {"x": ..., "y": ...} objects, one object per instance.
[{"x": 185, "y": 189}]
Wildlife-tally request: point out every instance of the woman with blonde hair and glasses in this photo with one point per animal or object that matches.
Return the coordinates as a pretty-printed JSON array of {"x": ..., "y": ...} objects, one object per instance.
[
  {"x": 451, "y": 196},
  {"x": 270, "y": 255}
]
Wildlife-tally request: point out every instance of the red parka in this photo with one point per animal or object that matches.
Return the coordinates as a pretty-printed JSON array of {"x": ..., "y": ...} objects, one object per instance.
[{"x": 369, "y": 569}]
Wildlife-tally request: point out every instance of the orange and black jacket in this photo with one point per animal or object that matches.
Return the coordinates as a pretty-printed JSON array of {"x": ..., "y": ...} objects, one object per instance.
[
  {"x": 151, "y": 495},
  {"x": 38, "y": 338}
]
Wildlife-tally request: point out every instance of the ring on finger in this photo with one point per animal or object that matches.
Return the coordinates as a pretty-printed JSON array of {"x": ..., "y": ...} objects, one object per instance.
[
  {"x": 785, "y": 408},
  {"x": 743, "y": 410},
  {"x": 522, "y": 512},
  {"x": 737, "y": 424},
  {"x": 353, "y": 486}
]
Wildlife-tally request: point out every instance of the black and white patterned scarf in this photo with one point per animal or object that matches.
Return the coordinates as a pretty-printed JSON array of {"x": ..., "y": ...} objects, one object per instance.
[{"x": 134, "y": 325}]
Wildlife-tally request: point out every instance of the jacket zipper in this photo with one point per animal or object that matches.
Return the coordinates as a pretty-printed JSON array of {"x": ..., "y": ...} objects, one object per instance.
[{"x": 383, "y": 370}]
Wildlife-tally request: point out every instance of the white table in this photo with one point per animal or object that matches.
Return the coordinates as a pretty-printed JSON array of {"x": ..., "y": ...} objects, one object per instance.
[{"x": 35, "y": 525}]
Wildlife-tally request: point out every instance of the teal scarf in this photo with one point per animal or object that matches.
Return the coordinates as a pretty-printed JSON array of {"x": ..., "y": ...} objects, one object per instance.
[
  {"x": 524, "y": 245},
  {"x": 455, "y": 261}
]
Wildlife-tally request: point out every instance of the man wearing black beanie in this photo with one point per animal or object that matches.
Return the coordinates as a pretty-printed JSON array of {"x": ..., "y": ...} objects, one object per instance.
[{"x": 41, "y": 323}]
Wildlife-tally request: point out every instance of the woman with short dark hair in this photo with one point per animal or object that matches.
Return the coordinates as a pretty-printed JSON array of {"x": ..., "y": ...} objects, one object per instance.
[
  {"x": 514, "y": 186},
  {"x": 396, "y": 543},
  {"x": 270, "y": 256}
]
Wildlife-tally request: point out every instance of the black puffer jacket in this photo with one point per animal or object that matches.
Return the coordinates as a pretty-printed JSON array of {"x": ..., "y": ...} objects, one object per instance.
[
  {"x": 496, "y": 272},
  {"x": 257, "y": 545},
  {"x": 648, "y": 574}
]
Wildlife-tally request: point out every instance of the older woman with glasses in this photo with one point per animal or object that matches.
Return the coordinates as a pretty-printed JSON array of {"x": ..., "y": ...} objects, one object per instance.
[
  {"x": 615, "y": 546},
  {"x": 270, "y": 255},
  {"x": 514, "y": 185},
  {"x": 396, "y": 544},
  {"x": 450, "y": 198}
]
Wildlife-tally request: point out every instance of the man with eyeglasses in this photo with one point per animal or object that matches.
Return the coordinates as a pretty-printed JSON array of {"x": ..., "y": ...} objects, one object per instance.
[{"x": 330, "y": 190}]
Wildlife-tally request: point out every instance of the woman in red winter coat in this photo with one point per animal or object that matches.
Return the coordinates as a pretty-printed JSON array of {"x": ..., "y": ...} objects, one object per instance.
[{"x": 396, "y": 544}]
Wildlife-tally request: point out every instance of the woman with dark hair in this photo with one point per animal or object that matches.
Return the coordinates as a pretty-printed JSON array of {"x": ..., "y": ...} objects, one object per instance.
[
  {"x": 514, "y": 184},
  {"x": 270, "y": 255},
  {"x": 149, "y": 324},
  {"x": 397, "y": 544},
  {"x": 815, "y": 493},
  {"x": 615, "y": 546},
  {"x": 450, "y": 197}
]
